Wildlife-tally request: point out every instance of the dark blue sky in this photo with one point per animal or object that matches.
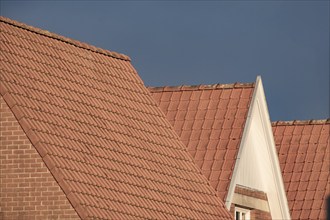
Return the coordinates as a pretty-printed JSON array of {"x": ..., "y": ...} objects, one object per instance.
[{"x": 206, "y": 42}]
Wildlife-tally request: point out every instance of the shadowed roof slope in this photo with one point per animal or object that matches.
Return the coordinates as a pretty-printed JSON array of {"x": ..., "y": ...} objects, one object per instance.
[
  {"x": 210, "y": 120},
  {"x": 303, "y": 148},
  {"x": 99, "y": 131}
]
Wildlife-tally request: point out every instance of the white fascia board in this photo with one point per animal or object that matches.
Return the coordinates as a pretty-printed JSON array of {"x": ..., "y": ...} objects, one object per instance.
[
  {"x": 246, "y": 131},
  {"x": 259, "y": 106},
  {"x": 281, "y": 194}
]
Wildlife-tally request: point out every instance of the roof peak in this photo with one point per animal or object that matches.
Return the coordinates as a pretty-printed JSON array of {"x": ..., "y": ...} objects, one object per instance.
[
  {"x": 301, "y": 122},
  {"x": 64, "y": 39},
  {"x": 200, "y": 87}
]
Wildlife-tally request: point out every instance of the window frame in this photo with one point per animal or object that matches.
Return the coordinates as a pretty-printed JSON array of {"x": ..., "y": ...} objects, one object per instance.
[{"x": 242, "y": 211}]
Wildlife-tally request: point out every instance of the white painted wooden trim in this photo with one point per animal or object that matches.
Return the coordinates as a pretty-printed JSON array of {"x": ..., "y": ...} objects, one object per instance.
[
  {"x": 273, "y": 153},
  {"x": 259, "y": 104},
  {"x": 246, "y": 130},
  {"x": 242, "y": 210}
]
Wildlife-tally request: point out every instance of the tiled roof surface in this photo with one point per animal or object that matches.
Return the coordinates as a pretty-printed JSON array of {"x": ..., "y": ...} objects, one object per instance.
[
  {"x": 210, "y": 120},
  {"x": 99, "y": 131},
  {"x": 303, "y": 148}
]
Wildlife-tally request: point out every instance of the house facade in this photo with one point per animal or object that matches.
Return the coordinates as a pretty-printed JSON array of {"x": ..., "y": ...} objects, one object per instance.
[
  {"x": 83, "y": 138},
  {"x": 269, "y": 176},
  {"x": 233, "y": 122}
]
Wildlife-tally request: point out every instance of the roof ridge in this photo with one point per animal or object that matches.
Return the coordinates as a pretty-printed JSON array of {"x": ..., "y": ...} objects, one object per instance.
[
  {"x": 65, "y": 39},
  {"x": 200, "y": 87},
  {"x": 301, "y": 122}
]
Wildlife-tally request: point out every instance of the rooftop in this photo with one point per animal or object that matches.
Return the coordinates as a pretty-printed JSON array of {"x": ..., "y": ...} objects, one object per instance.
[
  {"x": 209, "y": 120},
  {"x": 64, "y": 39},
  {"x": 303, "y": 151},
  {"x": 98, "y": 130}
]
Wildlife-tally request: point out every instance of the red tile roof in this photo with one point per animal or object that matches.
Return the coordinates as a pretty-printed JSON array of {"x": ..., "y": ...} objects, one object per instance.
[
  {"x": 210, "y": 120},
  {"x": 200, "y": 115},
  {"x": 304, "y": 149},
  {"x": 99, "y": 131}
]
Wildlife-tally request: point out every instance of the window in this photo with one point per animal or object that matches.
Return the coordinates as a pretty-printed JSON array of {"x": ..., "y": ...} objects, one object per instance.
[{"x": 242, "y": 214}]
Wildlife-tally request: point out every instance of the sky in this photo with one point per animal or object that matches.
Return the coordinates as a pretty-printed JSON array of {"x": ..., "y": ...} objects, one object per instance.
[{"x": 206, "y": 42}]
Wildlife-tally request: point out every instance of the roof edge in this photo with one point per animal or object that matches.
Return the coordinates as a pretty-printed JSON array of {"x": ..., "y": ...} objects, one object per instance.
[
  {"x": 38, "y": 145},
  {"x": 246, "y": 129},
  {"x": 65, "y": 39},
  {"x": 259, "y": 103},
  {"x": 199, "y": 87},
  {"x": 302, "y": 122}
]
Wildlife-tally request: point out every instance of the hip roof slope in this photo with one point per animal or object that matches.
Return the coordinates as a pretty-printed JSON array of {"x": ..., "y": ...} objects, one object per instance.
[{"x": 98, "y": 130}]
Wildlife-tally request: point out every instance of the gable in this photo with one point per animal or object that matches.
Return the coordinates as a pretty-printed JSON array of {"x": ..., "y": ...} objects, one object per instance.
[
  {"x": 257, "y": 164},
  {"x": 98, "y": 130},
  {"x": 228, "y": 133}
]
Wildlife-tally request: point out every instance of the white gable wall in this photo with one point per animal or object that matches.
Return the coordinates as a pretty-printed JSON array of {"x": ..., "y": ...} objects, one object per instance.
[{"x": 257, "y": 164}]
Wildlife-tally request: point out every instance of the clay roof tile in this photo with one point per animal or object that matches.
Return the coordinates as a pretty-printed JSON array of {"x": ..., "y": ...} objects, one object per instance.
[
  {"x": 98, "y": 129},
  {"x": 304, "y": 165},
  {"x": 219, "y": 114}
]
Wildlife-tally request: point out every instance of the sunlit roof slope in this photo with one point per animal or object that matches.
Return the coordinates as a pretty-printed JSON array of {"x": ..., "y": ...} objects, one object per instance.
[
  {"x": 210, "y": 121},
  {"x": 99, "y": 131},
  {"x": 304, "y": 149}
]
